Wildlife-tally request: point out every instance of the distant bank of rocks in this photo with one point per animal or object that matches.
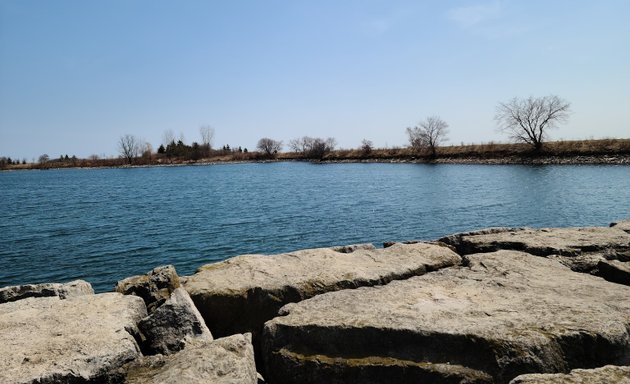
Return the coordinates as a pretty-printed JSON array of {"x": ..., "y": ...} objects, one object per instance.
[
  {"x": 501, "y": 305},
  {"x": 505, "y": 160}
]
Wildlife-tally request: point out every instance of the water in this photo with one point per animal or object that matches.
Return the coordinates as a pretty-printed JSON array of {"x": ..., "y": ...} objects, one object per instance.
[{"x": 106, "y": 224}]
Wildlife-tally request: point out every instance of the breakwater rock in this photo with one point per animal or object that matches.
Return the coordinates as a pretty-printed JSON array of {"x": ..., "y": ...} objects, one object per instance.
[{"x": 502, "y": 305}]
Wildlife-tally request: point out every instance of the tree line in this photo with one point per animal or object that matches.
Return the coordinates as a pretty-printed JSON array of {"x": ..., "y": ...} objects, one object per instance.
[{"x": 524, "y": 120}]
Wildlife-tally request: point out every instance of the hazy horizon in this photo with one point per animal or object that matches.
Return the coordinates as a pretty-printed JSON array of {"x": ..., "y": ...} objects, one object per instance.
[{"x": 75, "y": 76}]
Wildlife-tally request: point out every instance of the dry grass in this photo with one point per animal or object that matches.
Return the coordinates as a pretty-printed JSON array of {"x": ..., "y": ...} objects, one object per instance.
[{"x": 564, "y": 148}]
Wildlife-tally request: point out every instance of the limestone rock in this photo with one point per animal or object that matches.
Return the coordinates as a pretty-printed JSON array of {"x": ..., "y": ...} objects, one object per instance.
[
  {"x": 173, "y": 324},
  {"x": 504, "y": 314},
  {"x": 238, "y": 295},
  {"x": 615, "y": 271},
  {"x": 80, "y": 339},
  {"x": 542, "y": 242},
  {"x": 624, "y": 225},
  {"x": 18, "y": 292},
  {"x": 154, "y": 288},
  {"x": 606, "y": 375},
  {"x": 229, "y": 360}
]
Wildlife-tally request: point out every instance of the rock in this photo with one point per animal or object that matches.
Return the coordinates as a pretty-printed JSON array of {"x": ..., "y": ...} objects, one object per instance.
[
  {"x": 624, "y": 225},
  {"x": 615, "y": 271},
  {"x": 228, "y": 360},
  {"x": 79, "y": 339},
  {"x": 238, "y": 295},
  {"x": 353, "y": 247},
  {"x": 173, "y": 324},
  {"x": 605, "y": 375},
  {"x": 578, "y": 248},
  {"x": 71, "y": 289},
  {"x": 541, "y": 242},
  {"x": 154, "y": 288},
  {"x": 504, "y": 314}
]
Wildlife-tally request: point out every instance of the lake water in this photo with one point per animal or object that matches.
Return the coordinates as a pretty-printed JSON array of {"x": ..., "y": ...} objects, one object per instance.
[{"x": 106, "y": 224}]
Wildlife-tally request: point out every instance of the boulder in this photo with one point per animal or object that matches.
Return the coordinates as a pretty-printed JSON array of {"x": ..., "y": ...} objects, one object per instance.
[
  {"x": 578, "y": 248},
  {"x": 238, "y": 295},
  {"x": 606, "y": 375},
  {"x": 615, "y": 271},
  {"x": 229, "y": 360},
  {"x": 624, "y": 225},
  {"x": 79, "y": 339},
  {"x": 504, "y": 314},
  {"x": 154, "y": 288},
  {"x": 173, "y": 324},
  {"x": 65, "y": 290}
]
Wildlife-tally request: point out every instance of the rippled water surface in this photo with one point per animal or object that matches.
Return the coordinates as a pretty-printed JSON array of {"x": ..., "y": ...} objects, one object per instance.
[{"x": 106, "y": 224}]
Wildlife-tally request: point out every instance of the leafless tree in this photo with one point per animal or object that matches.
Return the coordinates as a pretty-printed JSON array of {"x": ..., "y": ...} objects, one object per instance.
[
  {"x": 313, "y": 147},
  {"x": 168, "y": 137},
  {"x": 43, "y": 159},
  {"x": 207, "y": 135},
  {"x": 366, "y": 146},
  {"x": 269, "y": 147},
  {"x": 130, "y": 147},
  {"x": 428, "y": 134},
  {"x": 527, "y": 120}
]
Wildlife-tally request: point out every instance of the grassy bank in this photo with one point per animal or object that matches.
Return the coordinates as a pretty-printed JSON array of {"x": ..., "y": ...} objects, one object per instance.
[{"x": 606, "y": 151}]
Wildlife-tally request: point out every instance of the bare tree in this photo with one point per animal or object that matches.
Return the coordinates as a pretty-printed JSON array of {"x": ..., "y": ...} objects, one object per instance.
[
  {"x": 269, "y": 146},
  {"x": 366, "y": 146},
  {"x": 168, "y": 137},
  {"x": 313, "y": 147},
  {"x": 43, "y": 159},
  {"x": 527, "y": 120},
  {"x": 428, "y": 134},
  {"x": 207, "y": 135},
  {"x": 130, "y": 147}
]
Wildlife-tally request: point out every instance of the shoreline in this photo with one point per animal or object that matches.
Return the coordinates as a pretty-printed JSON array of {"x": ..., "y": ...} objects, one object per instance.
[{"x": 507, "y": 160}]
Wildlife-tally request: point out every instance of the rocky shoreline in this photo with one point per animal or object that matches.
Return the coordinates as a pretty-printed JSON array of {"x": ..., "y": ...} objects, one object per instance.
[{"x": 502, "y": 305}]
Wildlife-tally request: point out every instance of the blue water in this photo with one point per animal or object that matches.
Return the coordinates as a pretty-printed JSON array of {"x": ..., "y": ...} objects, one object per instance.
[{"x": 106, "y": 224}]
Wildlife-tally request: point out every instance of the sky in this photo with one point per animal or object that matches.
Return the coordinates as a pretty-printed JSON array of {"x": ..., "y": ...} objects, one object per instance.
[{"x": 77, "y": 75}]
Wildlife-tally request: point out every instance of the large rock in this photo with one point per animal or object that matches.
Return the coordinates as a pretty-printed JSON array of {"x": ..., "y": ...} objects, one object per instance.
[
  {"x": 506, "y": 313},
  {"x": 624, "y": 225},
  {"x": 615, "y": 271},
  {"x": 154, "y": 288},
  {"x": 80, "y": 339},
  {"x": 229, "y": 360},
  {"x": 609, "y": 374},
  {"x": 65, "y": 290},
  {"x": 173, "y": 325},
  {"x": 578, "y": 248},
  {"x": 238, "y": 295}
]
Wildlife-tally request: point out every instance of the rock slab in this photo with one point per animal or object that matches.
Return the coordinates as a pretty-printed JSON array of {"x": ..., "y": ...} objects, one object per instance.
[
  {"x": 80, "y": 339},
  {"x": 238, "y": 295},
  {"x": 223, "y": 361},
  {"x": 154, "y": 288},
  {"x": 609, "y": 374},
  {"x": 61, "y": 290},
  {"x": 173, "y": 324},
  {"x": 578, "y": 248},
  {"x": 504, "y": 314}
]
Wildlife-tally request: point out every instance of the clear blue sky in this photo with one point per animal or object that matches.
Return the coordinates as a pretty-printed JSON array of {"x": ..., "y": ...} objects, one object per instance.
[{"x": 76, "y": 75}]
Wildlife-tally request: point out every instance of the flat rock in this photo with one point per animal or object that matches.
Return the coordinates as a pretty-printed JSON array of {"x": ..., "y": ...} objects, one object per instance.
[
  {"x": 504, "y": 314},
  {"x": 238, "y": 295},
  {"x": 624, "y": 225},
  {"x": 579, "y": 248},
  {"x": 606, "y": 375},
  {"x": 229, "y": 360},
  {"x": 541, "y": 242},
  {"x": 80, "y": 339},
  {"x": 615, "y": 271},
  {"x": 61, "y": 290},
  {"x": 154, "y": 288},
  {"x": 173, "y": 325}
]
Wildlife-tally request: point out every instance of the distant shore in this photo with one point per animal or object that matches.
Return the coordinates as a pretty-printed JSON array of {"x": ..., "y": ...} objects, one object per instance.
[{"x": 606, "y": 151}]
